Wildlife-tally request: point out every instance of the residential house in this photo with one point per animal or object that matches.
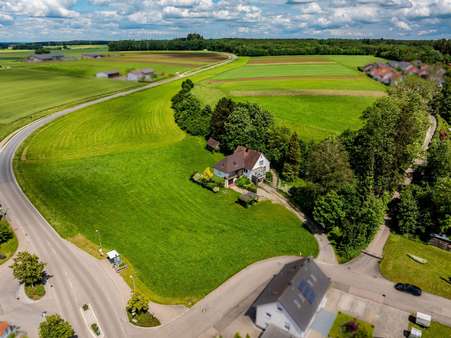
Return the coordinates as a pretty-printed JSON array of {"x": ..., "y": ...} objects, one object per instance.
[
  {"x": 382, "y": 72},
  {"x": 292, "y": 300},
  {"x": 6, "y": 330},
  {"x": 45, "y": 57},
  {"x": 141, "y": 75},
  {"x": 108, "y": 75},
  {"x": 244, "y": 161},
  {"x": 92, "y": 56}
]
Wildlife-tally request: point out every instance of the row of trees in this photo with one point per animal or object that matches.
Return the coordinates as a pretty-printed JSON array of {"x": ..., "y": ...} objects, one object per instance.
[
  {"x": 349, "y": 179},
  {"x": 426, "y": 51}
]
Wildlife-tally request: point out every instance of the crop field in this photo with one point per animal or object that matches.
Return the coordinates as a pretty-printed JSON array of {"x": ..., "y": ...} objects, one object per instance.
[
  {"x": 123, "y": 167},
  {"x": 317, "y": 96},
  {"x": 28, "y": 90}
]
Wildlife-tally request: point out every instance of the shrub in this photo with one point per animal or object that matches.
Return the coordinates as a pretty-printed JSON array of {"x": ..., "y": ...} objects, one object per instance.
[
  {"x": 244, "y": 183},
  {"x": 5, "y": 233},
  {"x": 96, "y": 329},
  {"x": 35, "y": 292},
  {"x": 85, "y": 307},
  {"x": 351, "y": 326}
]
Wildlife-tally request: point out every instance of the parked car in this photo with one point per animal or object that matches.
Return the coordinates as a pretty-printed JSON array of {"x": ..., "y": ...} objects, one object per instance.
[{"x": 409, "y": 288}]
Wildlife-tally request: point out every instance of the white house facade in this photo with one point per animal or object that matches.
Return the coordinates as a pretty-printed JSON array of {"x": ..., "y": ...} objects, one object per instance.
[{"x": 292, "y": 299}]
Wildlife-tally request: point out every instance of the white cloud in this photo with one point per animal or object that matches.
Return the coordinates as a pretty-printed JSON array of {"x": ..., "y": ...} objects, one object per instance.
[
  {"x": 41, "y": 8},
  {"x": 401, "y": 24}
]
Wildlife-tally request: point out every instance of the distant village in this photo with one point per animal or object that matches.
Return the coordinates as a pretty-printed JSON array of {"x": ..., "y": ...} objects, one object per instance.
[{"x": 393, "y": 71}]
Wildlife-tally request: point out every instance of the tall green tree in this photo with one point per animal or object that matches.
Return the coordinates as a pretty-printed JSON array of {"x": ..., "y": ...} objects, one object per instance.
[
  {"x": 328, "y": 165},
  {"x": 441, "y": 198},
  {"x": 444, "y": 107},
  {"x": 439, "y": 160},
  {"x": 277, "y": 147},
  {"x": 55, "y": 327},
  {"x": 329, "y": 211},
  {"x": 223, "y": 109},
  {"x": 292, "y": 163},
  {"x": 408, "y": 213},
  {"x": 27, "y": 268}
]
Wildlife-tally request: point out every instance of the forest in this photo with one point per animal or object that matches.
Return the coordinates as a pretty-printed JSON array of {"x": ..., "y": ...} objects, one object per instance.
[{"x": 428, "y": 51}]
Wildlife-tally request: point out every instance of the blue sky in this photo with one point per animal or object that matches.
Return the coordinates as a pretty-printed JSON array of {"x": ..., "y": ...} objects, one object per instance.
[{"x": 40, "y": 20}]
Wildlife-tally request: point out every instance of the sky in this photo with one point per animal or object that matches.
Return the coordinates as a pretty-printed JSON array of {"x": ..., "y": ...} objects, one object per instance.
[{"x": 44, "y": 20}]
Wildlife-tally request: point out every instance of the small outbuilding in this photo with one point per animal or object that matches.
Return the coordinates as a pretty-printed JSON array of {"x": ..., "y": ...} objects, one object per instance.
[
  {"x": 114, "y": 257},
  {"x": 213, "y": 144},
  {"x": 92, "y": 56},
  {"x": 45, "y": 57},
  {"x": 248, "y": 199},
  {"x": 441, "y": 241},
  {"x": 141, "y": 75},
  {"x": 108, "y": 75}
]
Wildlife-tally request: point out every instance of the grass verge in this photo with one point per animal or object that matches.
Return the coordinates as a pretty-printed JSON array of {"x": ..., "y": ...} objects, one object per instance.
[
  {"x": 431, "y": 277},
  {"x": 436, "y": 330},
  {"x": 8, "y": 248},
  {"x": 145, "y": 319}
]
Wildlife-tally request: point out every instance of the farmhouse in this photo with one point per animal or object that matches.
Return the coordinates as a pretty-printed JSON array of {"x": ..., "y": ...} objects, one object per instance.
[
  {"x": 290, "y": 302},
  {"x": 92, "y": 56},
  {"x": 248, "y": 162},
  {"x": 141, "y": 75},
  {"x": 382, "y": 72},
  {"x": 108, "y": 75},
  {"x": 45, "y": 57}
]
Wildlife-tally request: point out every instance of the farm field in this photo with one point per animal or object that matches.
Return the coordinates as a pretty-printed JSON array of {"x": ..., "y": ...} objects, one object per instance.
[
  {"x": 123, "y": 167},
  {"x": 29, "y": 90},
  {"x": 431, "y": 277},
  {"x": 317, "y": 96}
]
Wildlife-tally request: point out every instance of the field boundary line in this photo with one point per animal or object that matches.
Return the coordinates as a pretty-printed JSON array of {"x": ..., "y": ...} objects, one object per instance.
[{"x": 308, "y": 92}]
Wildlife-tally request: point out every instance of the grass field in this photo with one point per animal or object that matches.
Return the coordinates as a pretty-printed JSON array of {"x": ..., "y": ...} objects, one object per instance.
[
  {"x": 29, "y": 90},
  {"x": 9, "y": 248},
  {"x": 317, "y": 96},
  {"x": 436, "y": 330},
  {"x": 431, "y": 277},
  {"x": 123, "y": 167}
]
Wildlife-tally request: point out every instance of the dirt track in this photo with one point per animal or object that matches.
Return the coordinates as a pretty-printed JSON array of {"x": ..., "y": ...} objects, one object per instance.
[{"x": 308, "y": 92}]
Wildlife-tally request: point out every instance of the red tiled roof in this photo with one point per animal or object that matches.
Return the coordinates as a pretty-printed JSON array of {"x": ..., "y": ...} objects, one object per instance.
[
  {"x": 3, "y": 327},
  {"x": 242, "y": 158}
]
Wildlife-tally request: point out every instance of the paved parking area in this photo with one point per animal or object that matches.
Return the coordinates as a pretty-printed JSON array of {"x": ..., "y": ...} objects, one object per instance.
[{"x": 388, "y": 321}]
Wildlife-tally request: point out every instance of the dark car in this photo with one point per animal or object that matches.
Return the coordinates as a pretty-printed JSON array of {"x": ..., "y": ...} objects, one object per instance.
[{"x": 409, "y": 288}]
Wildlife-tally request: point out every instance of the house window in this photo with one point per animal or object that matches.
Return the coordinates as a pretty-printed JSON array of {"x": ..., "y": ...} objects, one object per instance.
[
  {"x": 261, "y": 162},
  {"x": 268, "y": 315},
  {"x": 287, "y": 326}
]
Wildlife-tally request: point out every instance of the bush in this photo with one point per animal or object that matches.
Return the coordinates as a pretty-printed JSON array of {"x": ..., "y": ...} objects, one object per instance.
[
  {"x": 35, "y": 292},
  {"x": 244, "y": 183},
  {"x": 144, "y": 319},
  {"x": 96, "y": 329},
  {"x": 85, "y": 307},
  {"x": 268, "y": 177},
  {"x": 5, "y": 232}
]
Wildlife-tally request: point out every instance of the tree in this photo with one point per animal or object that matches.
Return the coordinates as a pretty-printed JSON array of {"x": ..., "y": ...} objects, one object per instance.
[
  {"x": 138, "y": 303},
  {"x": 277, "y": 146},
  {"x": 223, "y": 109},
  {"x": 328, "y": 165},
  {"x": 441, "y": 198},
  {"x": 187, "y": 85},
  {"x": 292, "y": 163},
  {"x": 408, "y": 213},
  {"x": 329, "y": 211},
  {"x": 444, "y": 107},
  {"x": 55, "y": 327},
  {"x": 5, "y": 232},
  {"x": 439, "y": 160},
  {"x": 28, "y": 269}
]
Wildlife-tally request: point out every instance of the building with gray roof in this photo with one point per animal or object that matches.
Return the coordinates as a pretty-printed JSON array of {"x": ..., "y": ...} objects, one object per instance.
[{"x": 292, "y": 299}]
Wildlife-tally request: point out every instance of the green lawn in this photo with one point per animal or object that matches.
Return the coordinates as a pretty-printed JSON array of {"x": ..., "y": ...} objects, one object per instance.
[
  {"x": 313, "y": 117},
  {"x": 250, "y": 71},
  {"x": 9, "y": 248},
  {"x": 339, "y": 330},
  {"x": 123, "y": 167},
  {"x": 30, "y": 90},
  {"x": 436, "y": 330},
  {"x": 398, "y": 267}
]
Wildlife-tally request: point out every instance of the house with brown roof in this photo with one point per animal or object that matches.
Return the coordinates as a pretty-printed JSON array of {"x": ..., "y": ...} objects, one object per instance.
[
  {"x": 244, "y": 161},
  {"x": 213, "y": 144}
]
